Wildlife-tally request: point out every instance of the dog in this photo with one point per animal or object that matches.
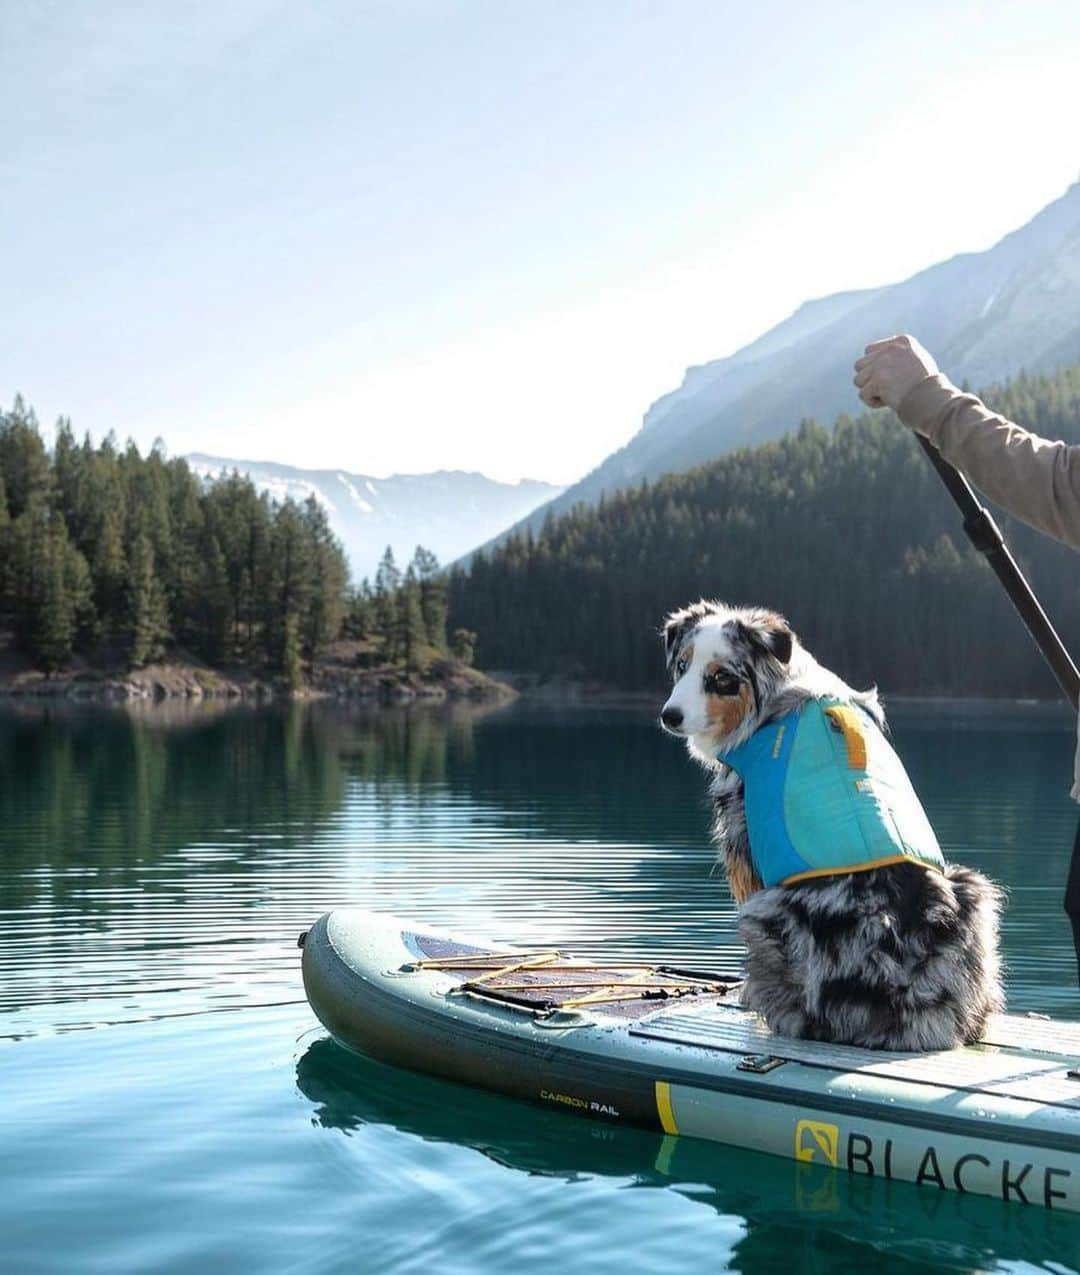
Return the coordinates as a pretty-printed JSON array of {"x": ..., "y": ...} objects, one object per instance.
[{"x": 899, "y": 955}]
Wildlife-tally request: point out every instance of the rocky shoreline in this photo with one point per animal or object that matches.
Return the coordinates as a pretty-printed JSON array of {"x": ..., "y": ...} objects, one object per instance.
[{"x": 179, "y": 679}]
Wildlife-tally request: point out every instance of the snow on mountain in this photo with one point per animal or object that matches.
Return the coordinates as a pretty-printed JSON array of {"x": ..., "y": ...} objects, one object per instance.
[{"x": 447, "y": 512}]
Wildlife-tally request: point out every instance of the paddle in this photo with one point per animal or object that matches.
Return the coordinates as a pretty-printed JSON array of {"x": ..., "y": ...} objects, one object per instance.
[{"x": 986, "y": 536}]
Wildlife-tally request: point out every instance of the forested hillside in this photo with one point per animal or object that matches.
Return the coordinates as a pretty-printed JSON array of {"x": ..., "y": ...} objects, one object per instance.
[
  {"x": 115, "y": 556},
  {"x": 105, "y": 549},
  {"x": 846, "y": 530}
]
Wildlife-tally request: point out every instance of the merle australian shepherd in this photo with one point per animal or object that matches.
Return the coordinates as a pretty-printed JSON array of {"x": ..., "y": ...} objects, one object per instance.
[{"x": 898, "y": 957}]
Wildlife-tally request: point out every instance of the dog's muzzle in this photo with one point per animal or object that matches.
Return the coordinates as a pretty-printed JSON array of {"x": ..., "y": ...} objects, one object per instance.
[{"x": 671, "y": 718}]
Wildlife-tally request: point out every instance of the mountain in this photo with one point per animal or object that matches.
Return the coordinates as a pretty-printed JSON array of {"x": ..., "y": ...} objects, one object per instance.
[
  {"x": 846, "y": 531},
  {"x": 447, "y": 512},
  {"x": 985, "y": 316}
]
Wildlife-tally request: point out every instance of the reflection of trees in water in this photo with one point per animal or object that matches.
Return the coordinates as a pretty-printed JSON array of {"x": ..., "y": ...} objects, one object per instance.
[
  {"x": 409, "y": 746},
  {"x": 114, "y": 788},
  {"x": 133, "y": 784},
  {"x": 589, "y": 813},
  {"x": 795, "y": 1216}
]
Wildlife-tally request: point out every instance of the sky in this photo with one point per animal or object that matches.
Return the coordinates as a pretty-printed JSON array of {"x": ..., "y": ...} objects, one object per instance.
[{"x": 425, "y": 234}]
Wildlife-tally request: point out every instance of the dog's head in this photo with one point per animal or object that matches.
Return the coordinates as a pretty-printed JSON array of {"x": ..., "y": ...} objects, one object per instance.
[{"x": 727, "y": 663}]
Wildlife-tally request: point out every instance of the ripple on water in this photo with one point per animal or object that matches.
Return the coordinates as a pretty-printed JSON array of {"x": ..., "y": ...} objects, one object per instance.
[{"x": 155, "y": 880}]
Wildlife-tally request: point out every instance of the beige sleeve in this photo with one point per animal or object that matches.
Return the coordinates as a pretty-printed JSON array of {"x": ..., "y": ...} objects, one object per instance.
[{"x": 1031, "y": 477}]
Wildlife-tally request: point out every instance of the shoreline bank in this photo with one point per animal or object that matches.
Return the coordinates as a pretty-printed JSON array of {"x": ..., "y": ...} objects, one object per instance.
[
  {"x": 445, "y": 682},
  {"x": 178, "y": 680}
]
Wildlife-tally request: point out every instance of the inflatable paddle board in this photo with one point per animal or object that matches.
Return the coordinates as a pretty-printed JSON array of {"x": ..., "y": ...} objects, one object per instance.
[{"x": 669, "y": 1048}]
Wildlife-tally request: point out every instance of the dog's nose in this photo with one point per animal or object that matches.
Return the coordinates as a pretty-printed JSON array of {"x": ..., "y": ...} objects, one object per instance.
[{"x": 672, "y": 717}]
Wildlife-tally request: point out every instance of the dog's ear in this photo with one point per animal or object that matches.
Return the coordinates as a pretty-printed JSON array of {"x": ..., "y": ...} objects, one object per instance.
[
  {"x": 676, "y": 627},
  {"x": 769, "y": 632},
  {"x": 679, "y": 623}
]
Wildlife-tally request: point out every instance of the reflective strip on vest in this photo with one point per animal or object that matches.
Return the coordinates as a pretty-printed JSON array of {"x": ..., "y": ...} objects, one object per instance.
[{"x": 825, "y": 793}]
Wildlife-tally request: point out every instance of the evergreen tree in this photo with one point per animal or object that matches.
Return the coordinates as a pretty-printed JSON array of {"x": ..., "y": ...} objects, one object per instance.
[
  {"x": 292, "y": 660},
  {"x": 387, "y": 583},
  {"x": 109, "y": 566},
  {"x": 27, "y": 542},
  {"x": 79, "y": 587},
  {"x": 410, "y": 621},
  {"x": 98, "y": 545},
  {"x": 24, "y": 462},
  {"x": 185, "y": 574},
  {"x": 463, "y": 645},
  {"x": 359, "y": 621},
  {"x": 210, "y": 628},
  {"x": 433, "y": 601},
  {"x": 329, "y": 577},
  {"x": 55, "y": 607},
  {"x": 290, "y": 587},
  {"x": 148, "y": 625}
]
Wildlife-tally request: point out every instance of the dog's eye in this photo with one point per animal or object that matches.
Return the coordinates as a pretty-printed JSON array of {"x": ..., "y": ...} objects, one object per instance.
[
  {"x": 680, "y": 666},
  {"x": 721, "y": 684}
]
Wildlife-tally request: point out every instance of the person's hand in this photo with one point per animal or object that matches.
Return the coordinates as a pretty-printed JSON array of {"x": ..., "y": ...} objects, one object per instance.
[{"x": 890, "y": 369}]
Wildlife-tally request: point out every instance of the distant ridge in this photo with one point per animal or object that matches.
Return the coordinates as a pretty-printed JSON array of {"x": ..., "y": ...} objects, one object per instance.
[
  {"x": 985, "y": 316},
  {"x": 448, "y": 511}
]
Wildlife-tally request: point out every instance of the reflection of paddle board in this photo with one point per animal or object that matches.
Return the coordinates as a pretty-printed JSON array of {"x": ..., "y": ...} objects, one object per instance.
[
  {"x": 669, "y": 1049},
  {"x": 811, "y": 1202}
]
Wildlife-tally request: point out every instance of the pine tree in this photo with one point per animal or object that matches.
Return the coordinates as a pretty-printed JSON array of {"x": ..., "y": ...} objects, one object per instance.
[
  {"x": 184, "y": 574},
  {"x": 292, "y": 659},
  {"x": 27, "y": 565},
  {"x": 148, "y": 618},
  {"x": 290, "y": 584},
  {"x": 359, "y": 621},
  {"x": 109, "y": 566},
  {"x": 211, "y": 628},
  {"x": 24, "y": 462},
  {"x": 329, "y": 576},
  {"x": 55, "y": 618},
  {"x": 79, "y": 586},
  {"x": 410, "y": 621},
  {"x": 433, "y": 602},
  {"x": 463, "y": 645},
  {"x": 387, "y": 583}
]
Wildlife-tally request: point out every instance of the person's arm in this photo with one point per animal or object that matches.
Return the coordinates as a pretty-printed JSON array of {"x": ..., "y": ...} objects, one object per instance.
[
  {"x": 1031, "y": 477},
  {"x": 1037, "y": 480}
]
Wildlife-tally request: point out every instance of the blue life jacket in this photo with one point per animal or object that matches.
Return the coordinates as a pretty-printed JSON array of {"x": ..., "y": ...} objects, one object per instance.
[{"x": 825, "y": 793}]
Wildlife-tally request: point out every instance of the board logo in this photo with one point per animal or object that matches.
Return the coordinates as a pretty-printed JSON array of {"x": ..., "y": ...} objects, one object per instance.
[
  {"x": 582, "y": 1104},
  {"x": 817, "y": 1142}
]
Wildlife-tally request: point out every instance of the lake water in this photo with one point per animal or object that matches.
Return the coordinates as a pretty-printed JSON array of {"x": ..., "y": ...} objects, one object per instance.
[{"x": 169, "y": 1102}]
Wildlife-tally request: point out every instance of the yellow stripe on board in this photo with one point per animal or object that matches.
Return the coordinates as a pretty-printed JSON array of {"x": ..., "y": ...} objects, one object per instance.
[{"x": 663, "y": 1107}]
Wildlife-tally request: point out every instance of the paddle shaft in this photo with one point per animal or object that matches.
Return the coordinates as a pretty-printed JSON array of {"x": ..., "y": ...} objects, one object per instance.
[{"x": 985, "y": 535}]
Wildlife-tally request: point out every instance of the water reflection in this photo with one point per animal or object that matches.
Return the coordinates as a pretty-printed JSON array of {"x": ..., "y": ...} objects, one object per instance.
[
  {"x": 162, "y": 860},
  {"x": 795, "y": 1216},
  {"x": 158, "y": 865}
]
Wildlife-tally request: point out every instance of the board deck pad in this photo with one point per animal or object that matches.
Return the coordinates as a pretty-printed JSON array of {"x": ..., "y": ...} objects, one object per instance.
[{"x": 981, "y": 1068}]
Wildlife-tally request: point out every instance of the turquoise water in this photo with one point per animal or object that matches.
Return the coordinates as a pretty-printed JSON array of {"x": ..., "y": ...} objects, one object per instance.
[{"x": 170, "y": 1104}]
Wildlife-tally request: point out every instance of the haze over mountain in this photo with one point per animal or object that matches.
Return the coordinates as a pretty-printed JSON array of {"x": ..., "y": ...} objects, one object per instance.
[
  {"x": 447, "y": 512},
  {"x": 985, "y": 316}
]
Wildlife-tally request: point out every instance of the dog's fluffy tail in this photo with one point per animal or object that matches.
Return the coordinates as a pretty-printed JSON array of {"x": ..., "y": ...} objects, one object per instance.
[{"x": 895, "y": 958}]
